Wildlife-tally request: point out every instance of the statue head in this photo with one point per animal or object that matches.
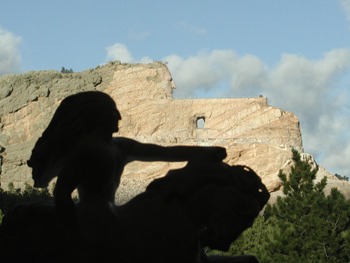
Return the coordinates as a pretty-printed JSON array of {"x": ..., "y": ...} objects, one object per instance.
[
  {"x": 77, "y": 116},
  {"x": 238, "y": 203}
]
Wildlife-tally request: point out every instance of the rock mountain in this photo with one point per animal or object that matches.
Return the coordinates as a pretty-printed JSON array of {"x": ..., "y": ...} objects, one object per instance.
[{"x": 253, "y": 132}]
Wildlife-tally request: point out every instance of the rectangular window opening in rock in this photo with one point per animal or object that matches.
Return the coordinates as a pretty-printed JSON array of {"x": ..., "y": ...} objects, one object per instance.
[{"x": 200, "y": 122}]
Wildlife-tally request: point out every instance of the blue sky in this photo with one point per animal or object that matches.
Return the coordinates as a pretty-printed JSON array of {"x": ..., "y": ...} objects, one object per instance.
[{"x": 295, "y": 53}]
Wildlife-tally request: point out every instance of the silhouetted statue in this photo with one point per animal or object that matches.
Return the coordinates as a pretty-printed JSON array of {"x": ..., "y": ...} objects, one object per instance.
[
  {"x": 177, "y": 215},
  {"x": 194, "y": 207},
  {"x": 79, "y": 149},
  {"x": 206, "y": 203}
]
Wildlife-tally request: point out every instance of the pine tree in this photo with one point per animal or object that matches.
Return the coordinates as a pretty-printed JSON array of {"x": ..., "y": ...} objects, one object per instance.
[
  {"x": 65, "y": 70},
  {"x": 304, "y": 225},
  {"x": 308, "y": 226}
]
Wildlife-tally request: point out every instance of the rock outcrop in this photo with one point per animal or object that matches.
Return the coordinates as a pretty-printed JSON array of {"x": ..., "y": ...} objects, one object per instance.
[{"x": 254, "y": 133}]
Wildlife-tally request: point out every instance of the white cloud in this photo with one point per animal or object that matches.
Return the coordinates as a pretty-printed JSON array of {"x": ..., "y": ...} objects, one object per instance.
[
  {"x": 192, "y": 73},
  {"x": 208, "y": 69},
  {"x": 10, "y": 58},
  {"x": 120, "y": 52},
  {"x": 306, "y": 86}
]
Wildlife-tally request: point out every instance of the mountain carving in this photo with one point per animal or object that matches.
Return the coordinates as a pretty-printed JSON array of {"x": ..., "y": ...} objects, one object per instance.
[{"x": 254, "y": 133}]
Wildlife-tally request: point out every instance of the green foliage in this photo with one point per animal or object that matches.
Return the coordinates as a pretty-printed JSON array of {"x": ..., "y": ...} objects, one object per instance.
[
  {"x": 65, "y": 70},
  {"x": 300, "y": 182},
  {"x": 304, "y": 225},
  {"x": 342, "y": 177},
  {"x": 249, "y": 243}
]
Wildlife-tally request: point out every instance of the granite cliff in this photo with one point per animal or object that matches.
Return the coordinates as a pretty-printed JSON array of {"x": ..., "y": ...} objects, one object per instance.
[{"x": 254, "y": 133}]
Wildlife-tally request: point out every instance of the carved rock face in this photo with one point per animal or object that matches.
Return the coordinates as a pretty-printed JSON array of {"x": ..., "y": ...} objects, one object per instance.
[{"x": 254, "y": 133}]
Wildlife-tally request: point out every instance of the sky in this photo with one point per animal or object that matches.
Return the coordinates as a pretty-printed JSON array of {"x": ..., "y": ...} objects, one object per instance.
[{"x": 296, "y": 53}]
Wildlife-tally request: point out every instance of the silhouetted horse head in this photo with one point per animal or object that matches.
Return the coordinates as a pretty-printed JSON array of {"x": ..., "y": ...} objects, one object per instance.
[
  {"x": 223, "y": 200},
  {"x": 192, "y": 208}
]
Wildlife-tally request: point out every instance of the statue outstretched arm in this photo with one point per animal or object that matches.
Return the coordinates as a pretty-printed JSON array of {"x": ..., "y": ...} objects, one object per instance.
[{"x": 133, "y": 150}]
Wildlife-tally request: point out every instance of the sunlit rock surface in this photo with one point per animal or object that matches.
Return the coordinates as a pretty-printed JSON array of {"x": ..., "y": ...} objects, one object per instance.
[{"x": 254, "y": 133}]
